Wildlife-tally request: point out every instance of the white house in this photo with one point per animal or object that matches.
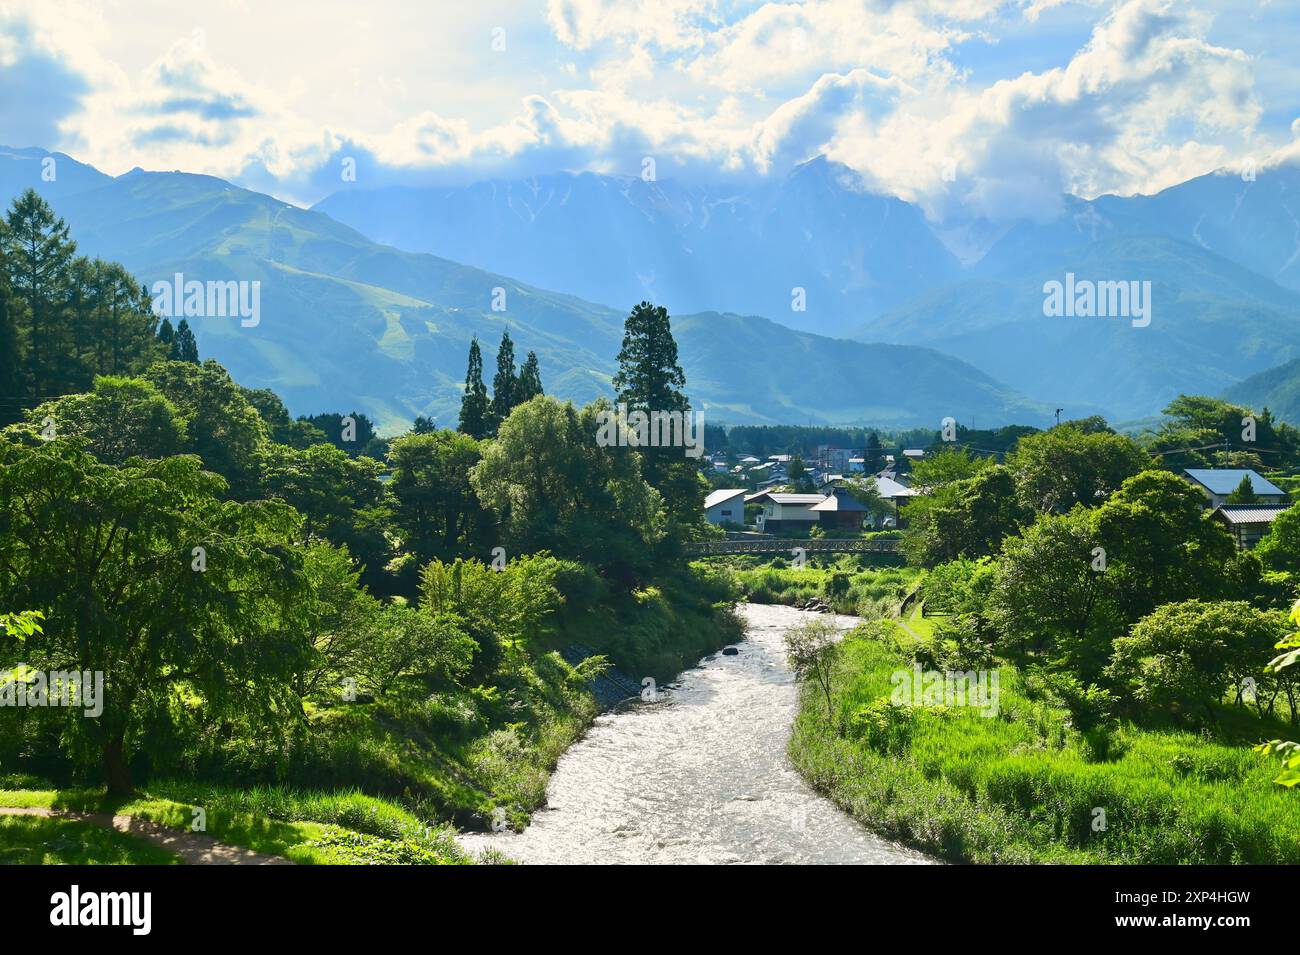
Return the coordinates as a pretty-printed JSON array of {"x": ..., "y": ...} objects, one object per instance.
[
  {"x": 1218, "y": 484},
  {"x": 783, "y": 511},
  {"x": 726, "y": 506}
]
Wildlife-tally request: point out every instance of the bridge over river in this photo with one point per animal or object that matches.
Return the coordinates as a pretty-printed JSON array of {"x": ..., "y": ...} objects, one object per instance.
[{"x": 787, "y": 546}]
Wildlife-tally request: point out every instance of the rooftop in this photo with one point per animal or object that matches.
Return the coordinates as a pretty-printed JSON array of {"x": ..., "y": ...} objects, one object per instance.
[
  {"x": 780, "y": 497},
  {"x": 840, "y": 502},
  {"x": 1249, "y": 513},
  {"x": 889, "y": 488},
  {"x": 1225, "y": 480},
  {"x": 725, "y": 494}
]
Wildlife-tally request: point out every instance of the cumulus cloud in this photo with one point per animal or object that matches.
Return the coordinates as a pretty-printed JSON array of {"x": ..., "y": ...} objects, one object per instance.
[
  {"x": 1140, "y": 99},
  {"x": 1145, "y": 103}
]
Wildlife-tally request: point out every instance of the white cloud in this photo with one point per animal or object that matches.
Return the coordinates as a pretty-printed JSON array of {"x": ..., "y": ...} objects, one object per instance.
[{"x": 708, "y": 87}]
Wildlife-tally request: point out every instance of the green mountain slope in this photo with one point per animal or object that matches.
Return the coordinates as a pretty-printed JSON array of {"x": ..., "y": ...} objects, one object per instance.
[
  {"x": 1277, "y": 389},
  {"x": 1213, "y": 324},
  {"x": 348, "y": 324}
]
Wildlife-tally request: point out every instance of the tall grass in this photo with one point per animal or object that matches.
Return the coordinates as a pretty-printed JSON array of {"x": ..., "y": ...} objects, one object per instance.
[
  {"x": 1023, "y": 785},
  {"x": 846, "y": 585}
]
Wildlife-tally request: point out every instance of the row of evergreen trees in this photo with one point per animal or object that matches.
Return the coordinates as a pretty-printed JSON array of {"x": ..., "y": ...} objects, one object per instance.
[
  {"x": 64, "y": 317},
  {"x": 480, "y": 415},
  {"x": 649, "y": 378}
]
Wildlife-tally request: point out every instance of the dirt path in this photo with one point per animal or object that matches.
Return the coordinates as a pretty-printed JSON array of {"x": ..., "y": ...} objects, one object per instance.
[{"x": 193, "y": 847}]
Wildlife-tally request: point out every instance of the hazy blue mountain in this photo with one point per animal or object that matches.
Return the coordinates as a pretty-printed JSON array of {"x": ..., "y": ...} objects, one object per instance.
[
  {"x": 606, "y": 238},
  {"x": 1255, "y": 223},
  {"x": 1213, "y": 324},
  {"x": 1277, "y": 389},
  {"x": 27, "y": 169},
  {"x": 1223, "y": 255},
  {"x": 752, "y": 369},
  {"x": 347, "y": 323}
]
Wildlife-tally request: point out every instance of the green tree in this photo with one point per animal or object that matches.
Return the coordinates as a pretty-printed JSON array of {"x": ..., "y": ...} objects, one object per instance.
[
  {"x": 530, "y": 380},
  {"x": 119, "y": 318},
  {"x": 504, "y": 383},
  {"x": 502, "y": 611},
  {"x": 965, "y": 518},
  {"x": 1199, "y": 431},
  {"x": 1279, "y": 549},
  {"x": 798, "y": 475},
  {"x": 353, "y": 433},
  {"x": 184, "y": 346},
  {"x": 282, "y": 428},
  {"x": 1160, "y": 544},
  {"x": 339, "y": 497},
  {"x": 435, "y": 508},
  {"x": 120, "y": 418},
  {"x": 1243, "y": 493},
  {"x": 947, "y": 465},
  {"x": 1283, "y": 667},
  {"x": 1181, "y": 657},
  {"x": 813, "y": 649},
  {"x": 11, "y": 377},
  {"x": 222, "y": 426},
  {"x": 1056, "y": 469},
  {"x": 475, "y": 409},
  {"x": 873, "y": 456},
  {"x": 1052, "y": 596},
  {"x": 553, "y": 488},
  {"x": 649, "y": 379},
  {"x": 108, "y": 554},
  {"x": 39, "y": 254}
]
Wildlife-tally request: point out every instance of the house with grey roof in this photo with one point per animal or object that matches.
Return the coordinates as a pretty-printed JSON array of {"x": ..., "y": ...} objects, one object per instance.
[
  {"x": 1247, "y": 523},
  {"x": 725, "y": 506},
  {"x": 785, "y": 512}
]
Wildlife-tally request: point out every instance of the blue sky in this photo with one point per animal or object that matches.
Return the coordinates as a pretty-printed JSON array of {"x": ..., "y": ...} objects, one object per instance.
[{"x": 972, "y": 108}]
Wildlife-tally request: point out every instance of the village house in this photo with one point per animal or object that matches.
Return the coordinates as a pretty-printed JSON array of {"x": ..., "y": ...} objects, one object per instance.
[
  {"x": 785, "y": 512},
  {"x": 1247, "y": 523},
  {"x": 840, "y": 510},
  {"x": 726, "y": 506},
  {"x": 1218, "y": 484}
]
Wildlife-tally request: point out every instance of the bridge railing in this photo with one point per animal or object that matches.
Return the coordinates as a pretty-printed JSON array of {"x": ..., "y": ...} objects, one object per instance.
[{"x": 887, "y": 545}]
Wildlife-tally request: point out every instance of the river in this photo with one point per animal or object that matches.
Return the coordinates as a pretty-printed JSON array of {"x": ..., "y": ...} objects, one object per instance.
[{"x": 701, "y": 776}]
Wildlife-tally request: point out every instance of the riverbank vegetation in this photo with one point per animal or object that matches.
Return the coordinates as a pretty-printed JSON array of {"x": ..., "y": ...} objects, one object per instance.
[
  {"x": 303, "y": 607},
  {"x": 1142, "y": 700},
  {"x": 847, "y": 583}
]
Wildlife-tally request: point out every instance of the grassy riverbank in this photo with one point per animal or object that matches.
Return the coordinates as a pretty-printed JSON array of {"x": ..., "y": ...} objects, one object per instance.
[
  {"x": 1023, "y": 786},
  {"x": 382, "y": 779},
  {"x": 848, "y": 584},
  {"x": 307, "y": 828}
]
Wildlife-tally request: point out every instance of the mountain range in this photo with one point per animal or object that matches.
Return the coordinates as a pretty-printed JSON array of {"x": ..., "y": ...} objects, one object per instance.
[
  {"x": 1222, "y": 252},
  {"x": 372, "y": 296},
  {"x": 348, "y": 323}
]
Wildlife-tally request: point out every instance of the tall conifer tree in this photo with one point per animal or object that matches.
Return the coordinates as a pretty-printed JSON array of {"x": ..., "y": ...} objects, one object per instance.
[
  {"x": 475, "y": 412},
  {"x": 504, "y": 383},
  {"x": 184, "y": 346},
  {"x": 530, "y": 380}
]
